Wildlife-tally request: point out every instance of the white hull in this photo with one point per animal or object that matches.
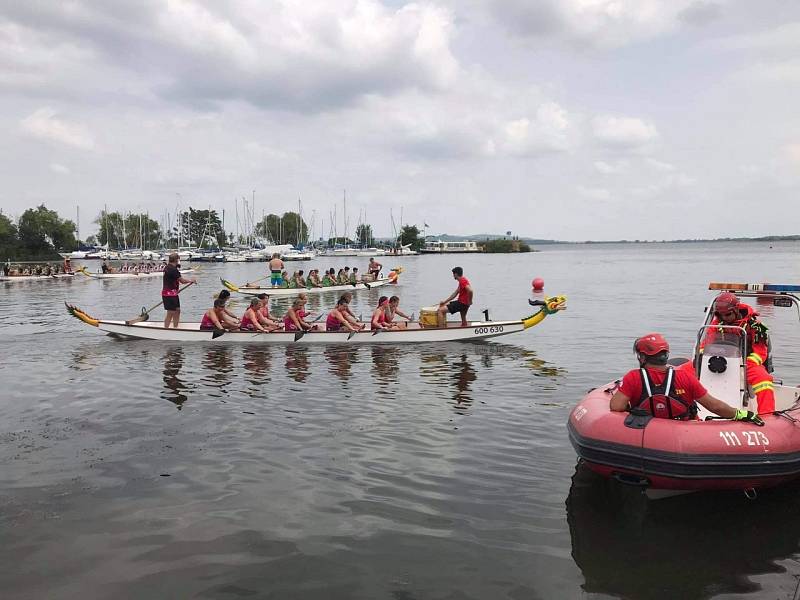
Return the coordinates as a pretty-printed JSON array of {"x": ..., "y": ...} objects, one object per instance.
[
  {"x": 190, "y": 332},
  {"x": 253, "y": 291},
  {"x": 13, "y": 278},
  {"x": 130, "y": 275}
]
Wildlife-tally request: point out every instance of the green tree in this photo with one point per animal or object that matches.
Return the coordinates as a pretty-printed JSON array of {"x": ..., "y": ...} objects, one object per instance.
[
  {"x": 43, "y": 234},
  {"x": 128, "y": 231},
  {"x": 8, "y": 237},
  {"x": 290, "y": 228},
  {"x": 200, "y": 228},
  {"x": 364, "y": 234},
  {"x": 409, "y": 234}
]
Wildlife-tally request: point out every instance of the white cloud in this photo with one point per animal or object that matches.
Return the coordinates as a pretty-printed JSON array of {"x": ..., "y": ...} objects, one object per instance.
[
  {"x": 45, "y": 124},
  {"x": 659, "y": 165},
  {"x": 623, "y": 133},
  {"x": 611, "y": 168},
  {"x": 598, "y": 23},
  {"x": 593, "y": 193},
  {"x": 307, "y": 56},
  {"x": 59, "y": 168}
]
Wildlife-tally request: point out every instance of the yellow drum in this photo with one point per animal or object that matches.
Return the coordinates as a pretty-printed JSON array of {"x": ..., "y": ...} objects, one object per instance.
[{"x": 427, "y": 316}]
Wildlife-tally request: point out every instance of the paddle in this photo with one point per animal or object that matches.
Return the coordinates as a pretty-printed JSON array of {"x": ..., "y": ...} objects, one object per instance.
[
  {"x": 146, "y": 313},
  {"x": 250, "y": 283},
  {"x": 299, "y": 334}
]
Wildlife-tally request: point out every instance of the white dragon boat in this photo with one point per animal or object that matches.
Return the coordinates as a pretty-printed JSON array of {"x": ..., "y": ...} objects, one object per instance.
[
  {"x": 392, "y": 278},
  {"x": 129, "y": 274},
  {"x": 413, "y": 334},
  {"x": 53, "y": 277}
]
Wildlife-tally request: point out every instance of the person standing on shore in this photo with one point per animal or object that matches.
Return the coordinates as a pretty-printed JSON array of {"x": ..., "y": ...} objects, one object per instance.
[
  {"x": 461, "y": 304},
  {"x": 169, "y": 292},
  {"x": 276, "y": 270}
]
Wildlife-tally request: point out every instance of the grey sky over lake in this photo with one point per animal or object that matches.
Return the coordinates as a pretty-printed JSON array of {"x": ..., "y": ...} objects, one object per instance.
[{"x": 567, "y": 119}]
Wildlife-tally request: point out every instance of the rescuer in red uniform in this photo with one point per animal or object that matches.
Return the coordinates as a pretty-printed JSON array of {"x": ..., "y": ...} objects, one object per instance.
[
  {"x": 728, "y": 310},
  {"x": 666, "y": 392}
]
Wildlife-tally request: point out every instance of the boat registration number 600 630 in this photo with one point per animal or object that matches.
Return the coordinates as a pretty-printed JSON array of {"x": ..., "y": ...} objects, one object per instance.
[
  {"x": 751, "y": 438},
  {"x": 491, "y": 329}
]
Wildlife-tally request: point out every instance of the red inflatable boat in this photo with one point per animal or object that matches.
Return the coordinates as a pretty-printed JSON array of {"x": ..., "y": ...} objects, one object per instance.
[{"x": 707, "y": 454}]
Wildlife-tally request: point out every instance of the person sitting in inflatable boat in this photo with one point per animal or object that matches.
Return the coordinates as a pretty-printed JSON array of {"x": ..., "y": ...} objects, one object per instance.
[
  {"x": 730, "y": 311},
  {"x": 665, "y": 392}
]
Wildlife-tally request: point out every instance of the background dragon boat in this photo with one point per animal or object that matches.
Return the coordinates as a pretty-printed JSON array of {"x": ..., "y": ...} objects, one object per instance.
[
  {"x": 392, "y": 278},
  {"x": 53, "y": 277},
  {"x": 706, "y": 454},
  {"x": 414, "y": 334},
  {"x": 129, "y": 274}
]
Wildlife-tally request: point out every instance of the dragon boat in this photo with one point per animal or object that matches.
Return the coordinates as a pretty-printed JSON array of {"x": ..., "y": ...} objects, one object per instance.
[
  {"x": 53, "y": 277},
  {"x": 392, "y": 278},
  {"x": 413, "y": 334},
  {"x": 665, "y": 456},
  {"x": 129, "y": 274}
]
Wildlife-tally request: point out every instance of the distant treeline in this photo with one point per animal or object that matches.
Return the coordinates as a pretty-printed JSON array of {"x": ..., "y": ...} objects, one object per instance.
[
  {"x": 38, "y": 234},
  {"x": 503, "y": 246}
]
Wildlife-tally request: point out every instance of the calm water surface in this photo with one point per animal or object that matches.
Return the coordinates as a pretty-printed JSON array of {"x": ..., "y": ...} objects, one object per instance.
[{"x": 150, "y": 470}]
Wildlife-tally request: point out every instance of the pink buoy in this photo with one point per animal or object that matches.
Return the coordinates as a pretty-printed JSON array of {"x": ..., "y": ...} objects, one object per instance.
[{"x": 538, "y": 284}]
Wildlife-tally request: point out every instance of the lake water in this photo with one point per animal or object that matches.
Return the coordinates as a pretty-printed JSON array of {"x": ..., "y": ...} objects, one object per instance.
[{"x": 135, "y": 469}]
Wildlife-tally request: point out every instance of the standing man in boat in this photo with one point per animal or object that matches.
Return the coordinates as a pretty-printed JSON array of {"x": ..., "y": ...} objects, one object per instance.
[
  {"x": 665, "y": 392},
  {"x": 169, "y": 291},
  {"x": 463, "y": 300},
  {"x": 728, "y": 310},
  {"x": 276, "y": 270},
  {"x": 374, "y": 268}
]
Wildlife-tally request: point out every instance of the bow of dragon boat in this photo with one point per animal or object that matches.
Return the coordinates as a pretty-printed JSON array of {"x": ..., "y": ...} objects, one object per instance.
[{"x": 413, "y": 334}]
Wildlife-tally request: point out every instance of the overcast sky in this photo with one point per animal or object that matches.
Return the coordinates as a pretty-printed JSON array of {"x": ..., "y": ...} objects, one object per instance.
[{"x": 566, "y": 119}]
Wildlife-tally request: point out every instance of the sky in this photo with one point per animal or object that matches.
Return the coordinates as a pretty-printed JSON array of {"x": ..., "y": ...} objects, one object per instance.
[{"x": 555, "y": 119}]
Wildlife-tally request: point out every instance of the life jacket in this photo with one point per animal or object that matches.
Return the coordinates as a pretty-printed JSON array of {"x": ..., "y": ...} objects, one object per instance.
[{"x": 661, "y": 401}]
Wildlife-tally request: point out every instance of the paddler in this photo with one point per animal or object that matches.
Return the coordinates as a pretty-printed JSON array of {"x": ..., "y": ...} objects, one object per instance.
[
  {"x": 379, "y": 317},
  {"x": 169, "y": 292},
  {"x": 67, "y": 265},
  {"x": 275, "y": 269},
  {"x": 214, "y": 318},
  {"x": 263, "y": 313},
  {"x": 393, "y": 310},
  {"x": 231, "y": 318},
  {"x": 294, "y": 318},
  {"x": 348, "y": 298},
  {"x": 329, "y": 278},
  {"x": 250, "y": 320},
  {"x": 665, "y": 392},
  {"x": 338, "y": 319}
]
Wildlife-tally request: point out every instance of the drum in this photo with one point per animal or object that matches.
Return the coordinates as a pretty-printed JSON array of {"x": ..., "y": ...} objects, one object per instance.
[{"x": 427, "y": 316}]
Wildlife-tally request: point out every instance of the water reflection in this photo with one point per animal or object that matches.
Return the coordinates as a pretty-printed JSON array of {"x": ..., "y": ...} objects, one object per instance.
[
  {"x": 257, "y": 363},
  {"x": 386, "y": 363},
  {"x": 691, "y": 546},
  {"x": 462, "y": 375},
  {"x": 217, "y": 366},
  {"x": 174, "y": 386},
  {"x": 297, "y": 364},
  {"x": 340, "y": 360},
  {"x": 456, "y": 372}
]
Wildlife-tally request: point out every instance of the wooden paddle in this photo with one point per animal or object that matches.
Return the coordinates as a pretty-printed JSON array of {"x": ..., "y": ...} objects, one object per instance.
[
  {"x": 299, "y": 335},
  {"x": 146, "y": 313}
]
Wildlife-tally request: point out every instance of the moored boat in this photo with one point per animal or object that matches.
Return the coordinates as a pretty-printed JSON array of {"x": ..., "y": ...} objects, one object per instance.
[
  {"x": 414, "y": 334},
  {"x": 705, "y": 454}
]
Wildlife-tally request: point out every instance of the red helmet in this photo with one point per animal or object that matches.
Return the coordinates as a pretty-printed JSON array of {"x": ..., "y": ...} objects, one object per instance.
[
  {"x": 726, "y": 302},
  {"x": 651, "y": 344}
]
